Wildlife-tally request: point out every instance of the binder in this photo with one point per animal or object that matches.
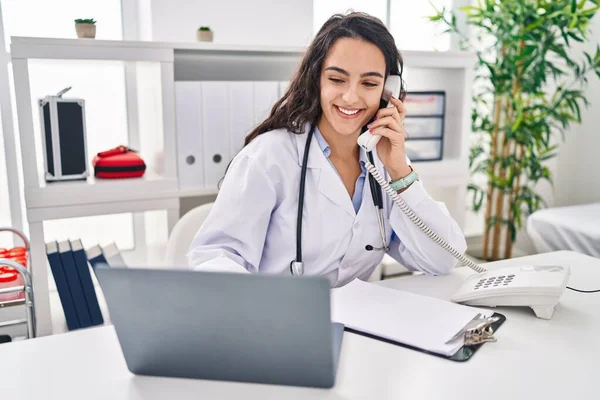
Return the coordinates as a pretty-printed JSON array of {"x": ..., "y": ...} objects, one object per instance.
[
  {"x": 265, "y": 96},
  {"x": 213, "y": 119},
  {"x": 62, "y": 286},
  {"x": 113, "y": 255},
  {"x": 429, "y": 325},
  {"x": 215, "y": 128},
  {"x": 95, "y": 257},
  {"x": 87, "y": 284},
  {"x": 190, "y": 150},
  {"x": 68, "y": 262},
  {"x": 283, "y": 86},
  {"x": 241, "y": 115}
]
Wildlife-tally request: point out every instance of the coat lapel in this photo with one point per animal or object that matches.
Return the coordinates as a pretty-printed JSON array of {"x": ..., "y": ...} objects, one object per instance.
[{"x": 327, "y": 179}]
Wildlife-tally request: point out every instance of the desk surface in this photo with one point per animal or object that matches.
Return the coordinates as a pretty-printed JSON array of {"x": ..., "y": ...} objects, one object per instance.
[{"x": 540, "y": 359}]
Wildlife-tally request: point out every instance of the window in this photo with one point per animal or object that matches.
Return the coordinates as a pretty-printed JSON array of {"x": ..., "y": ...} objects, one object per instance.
[
  {"x": 41, "y": 18},
  {"x": 408, "y": 21},
  {"x": 323, "y": 9},
  {"x": 412, "y": 29},
  {"x": 106, "y": 119}
]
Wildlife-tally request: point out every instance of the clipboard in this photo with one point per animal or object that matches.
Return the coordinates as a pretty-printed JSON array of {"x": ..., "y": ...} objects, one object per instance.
[{"x": 463, "y": 354}]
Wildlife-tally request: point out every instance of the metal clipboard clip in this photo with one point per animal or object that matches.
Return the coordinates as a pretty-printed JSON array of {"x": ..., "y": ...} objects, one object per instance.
[{"x": 477, "y": 331}]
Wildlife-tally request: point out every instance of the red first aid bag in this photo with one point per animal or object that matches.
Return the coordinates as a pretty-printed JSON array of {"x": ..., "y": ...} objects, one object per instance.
[
  {"x": 10, "y": 277},
  {"x": 120, "y": 162}
]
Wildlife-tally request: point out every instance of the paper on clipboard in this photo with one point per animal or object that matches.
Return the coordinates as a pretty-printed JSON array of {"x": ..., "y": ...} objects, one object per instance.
[{"x": 420, "y": 321}]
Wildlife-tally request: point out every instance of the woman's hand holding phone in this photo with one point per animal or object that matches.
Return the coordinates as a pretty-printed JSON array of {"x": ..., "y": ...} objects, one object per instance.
[{"x": 389, "y": 123}]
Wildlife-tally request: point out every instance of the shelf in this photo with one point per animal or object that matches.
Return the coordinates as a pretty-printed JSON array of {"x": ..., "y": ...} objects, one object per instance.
[
  {"x": 35, "y": 47},
  {"x": 80, "y": 49},
  {"x": 93, "y": 191},
  {"x": 91, "y": 209},
  {"x": 26, "y": 40}
]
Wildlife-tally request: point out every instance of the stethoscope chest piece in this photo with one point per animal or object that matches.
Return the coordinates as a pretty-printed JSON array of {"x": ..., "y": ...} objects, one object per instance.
[{"x": 297, "y": 268}]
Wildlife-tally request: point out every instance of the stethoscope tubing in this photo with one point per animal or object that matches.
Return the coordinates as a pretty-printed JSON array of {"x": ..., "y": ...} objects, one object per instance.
[{"x": 297, "y": 265}]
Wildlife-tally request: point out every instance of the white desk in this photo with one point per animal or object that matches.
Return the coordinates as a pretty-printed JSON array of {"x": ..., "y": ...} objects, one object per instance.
[{"x": 533, "y": 358}]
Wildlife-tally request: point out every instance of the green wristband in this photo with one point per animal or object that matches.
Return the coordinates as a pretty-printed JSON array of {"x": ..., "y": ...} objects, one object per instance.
[{"x": 405, "y": 182}]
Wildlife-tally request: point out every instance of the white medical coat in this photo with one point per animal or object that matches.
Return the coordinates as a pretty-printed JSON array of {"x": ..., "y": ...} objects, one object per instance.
[{"x": 252, "y": 225}]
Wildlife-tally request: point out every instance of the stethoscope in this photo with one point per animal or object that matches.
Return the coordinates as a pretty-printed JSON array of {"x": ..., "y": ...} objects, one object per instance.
[{"x": 297, "y": 265}]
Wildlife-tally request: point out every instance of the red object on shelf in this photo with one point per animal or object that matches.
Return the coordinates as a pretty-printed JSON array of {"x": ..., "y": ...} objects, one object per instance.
[
  {"x": 8, "y": 274},
  {"x": 120, "y": 162},
  {"x": 16, "y": 251},
  {"x": 10, "y": 277}
]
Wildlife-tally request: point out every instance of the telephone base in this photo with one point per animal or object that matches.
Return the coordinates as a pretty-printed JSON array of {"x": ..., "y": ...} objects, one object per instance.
[
  {"x": 539, "y": 287},
  {"x": 543, "y": 312}
]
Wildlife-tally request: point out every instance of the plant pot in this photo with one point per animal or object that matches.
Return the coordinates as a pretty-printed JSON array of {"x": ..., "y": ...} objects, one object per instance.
[
  {"x": 204, "y": 36},
  {"x": 85, "y": 31}
]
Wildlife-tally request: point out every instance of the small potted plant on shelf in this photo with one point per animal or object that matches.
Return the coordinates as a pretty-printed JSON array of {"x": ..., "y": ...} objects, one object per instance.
[
  {"x": 204, "y": 34},
  {"x": 85, "y": 28}
]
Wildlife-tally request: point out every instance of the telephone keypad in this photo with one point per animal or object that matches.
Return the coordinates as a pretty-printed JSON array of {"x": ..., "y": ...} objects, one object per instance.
[{"x": 494, "y": 281}]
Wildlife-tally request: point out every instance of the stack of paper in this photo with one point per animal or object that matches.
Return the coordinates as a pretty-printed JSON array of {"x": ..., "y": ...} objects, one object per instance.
[{"x": 419, "y": 321}]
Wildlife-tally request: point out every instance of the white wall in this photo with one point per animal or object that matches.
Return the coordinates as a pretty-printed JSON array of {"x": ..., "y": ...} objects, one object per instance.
[
  {"x": 578, "y": 172},
  {"x": 256, "y": 22}
]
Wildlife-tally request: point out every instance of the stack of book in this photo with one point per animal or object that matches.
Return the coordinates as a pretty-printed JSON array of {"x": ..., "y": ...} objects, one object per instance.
[{"x": 71, "y": 267}]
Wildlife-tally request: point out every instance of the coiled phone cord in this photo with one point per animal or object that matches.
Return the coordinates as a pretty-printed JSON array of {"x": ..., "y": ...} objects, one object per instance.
[{"x": 417, "y": 221}]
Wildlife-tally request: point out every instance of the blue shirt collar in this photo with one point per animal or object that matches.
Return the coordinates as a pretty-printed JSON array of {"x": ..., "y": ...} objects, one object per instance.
[{"x": 324, "y": 146}]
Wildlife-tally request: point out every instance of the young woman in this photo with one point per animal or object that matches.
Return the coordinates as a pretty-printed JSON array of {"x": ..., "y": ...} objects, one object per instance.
[{"x": 333, "y": 97}]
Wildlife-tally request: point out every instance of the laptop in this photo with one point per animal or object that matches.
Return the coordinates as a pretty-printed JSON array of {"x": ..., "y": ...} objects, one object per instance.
[{"x": 256, "y": 328}]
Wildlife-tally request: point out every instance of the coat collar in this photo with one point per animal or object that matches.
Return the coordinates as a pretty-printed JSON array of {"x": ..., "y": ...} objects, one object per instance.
[
  {"x": 316, "y": 158},
  {"x": 327, "y": 178}
]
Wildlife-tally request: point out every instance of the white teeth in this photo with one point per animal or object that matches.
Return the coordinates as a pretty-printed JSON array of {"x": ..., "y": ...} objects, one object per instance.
[{"x": 348, "y": 112}]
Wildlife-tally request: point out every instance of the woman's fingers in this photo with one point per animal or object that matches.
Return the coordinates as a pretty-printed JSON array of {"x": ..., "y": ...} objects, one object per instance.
[
  {"x": 388, "y": 121},
  {"x": 395, "y": 137},
  {"x": 391, "y": 111},
  {"x": 399, "y": 107}
]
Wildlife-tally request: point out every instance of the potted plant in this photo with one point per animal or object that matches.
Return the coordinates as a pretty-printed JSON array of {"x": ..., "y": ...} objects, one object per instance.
[
  {"x": 85, "y": 28},
  {"x": 204, "y": 34},
  {"x": 529, "y": 88}
]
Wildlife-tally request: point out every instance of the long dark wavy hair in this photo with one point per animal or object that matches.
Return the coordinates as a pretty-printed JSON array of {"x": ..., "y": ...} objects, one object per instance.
[{"x": 301, "y": 102}]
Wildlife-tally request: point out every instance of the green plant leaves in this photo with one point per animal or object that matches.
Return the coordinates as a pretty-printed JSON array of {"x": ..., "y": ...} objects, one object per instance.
[
  {"x": 525, "y": 64},
  {"x": 478, "y": 196},
  {"x": 85, "y": 21}
]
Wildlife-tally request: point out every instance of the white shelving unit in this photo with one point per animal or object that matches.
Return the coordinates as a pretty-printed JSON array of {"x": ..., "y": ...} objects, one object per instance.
[
  {"x": 57, "y": 200},
  {"x": 449, "y": 71},
  {"x": 72, "y": 193}
]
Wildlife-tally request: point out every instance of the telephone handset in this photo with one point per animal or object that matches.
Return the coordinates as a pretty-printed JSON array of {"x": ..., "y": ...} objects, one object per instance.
[
  {"x": 392, "y": 87},
  {"x": 538, "y": 287}
]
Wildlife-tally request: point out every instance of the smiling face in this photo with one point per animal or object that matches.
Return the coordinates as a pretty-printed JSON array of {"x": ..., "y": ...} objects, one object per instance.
[{"x": 352, "y": 82}]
